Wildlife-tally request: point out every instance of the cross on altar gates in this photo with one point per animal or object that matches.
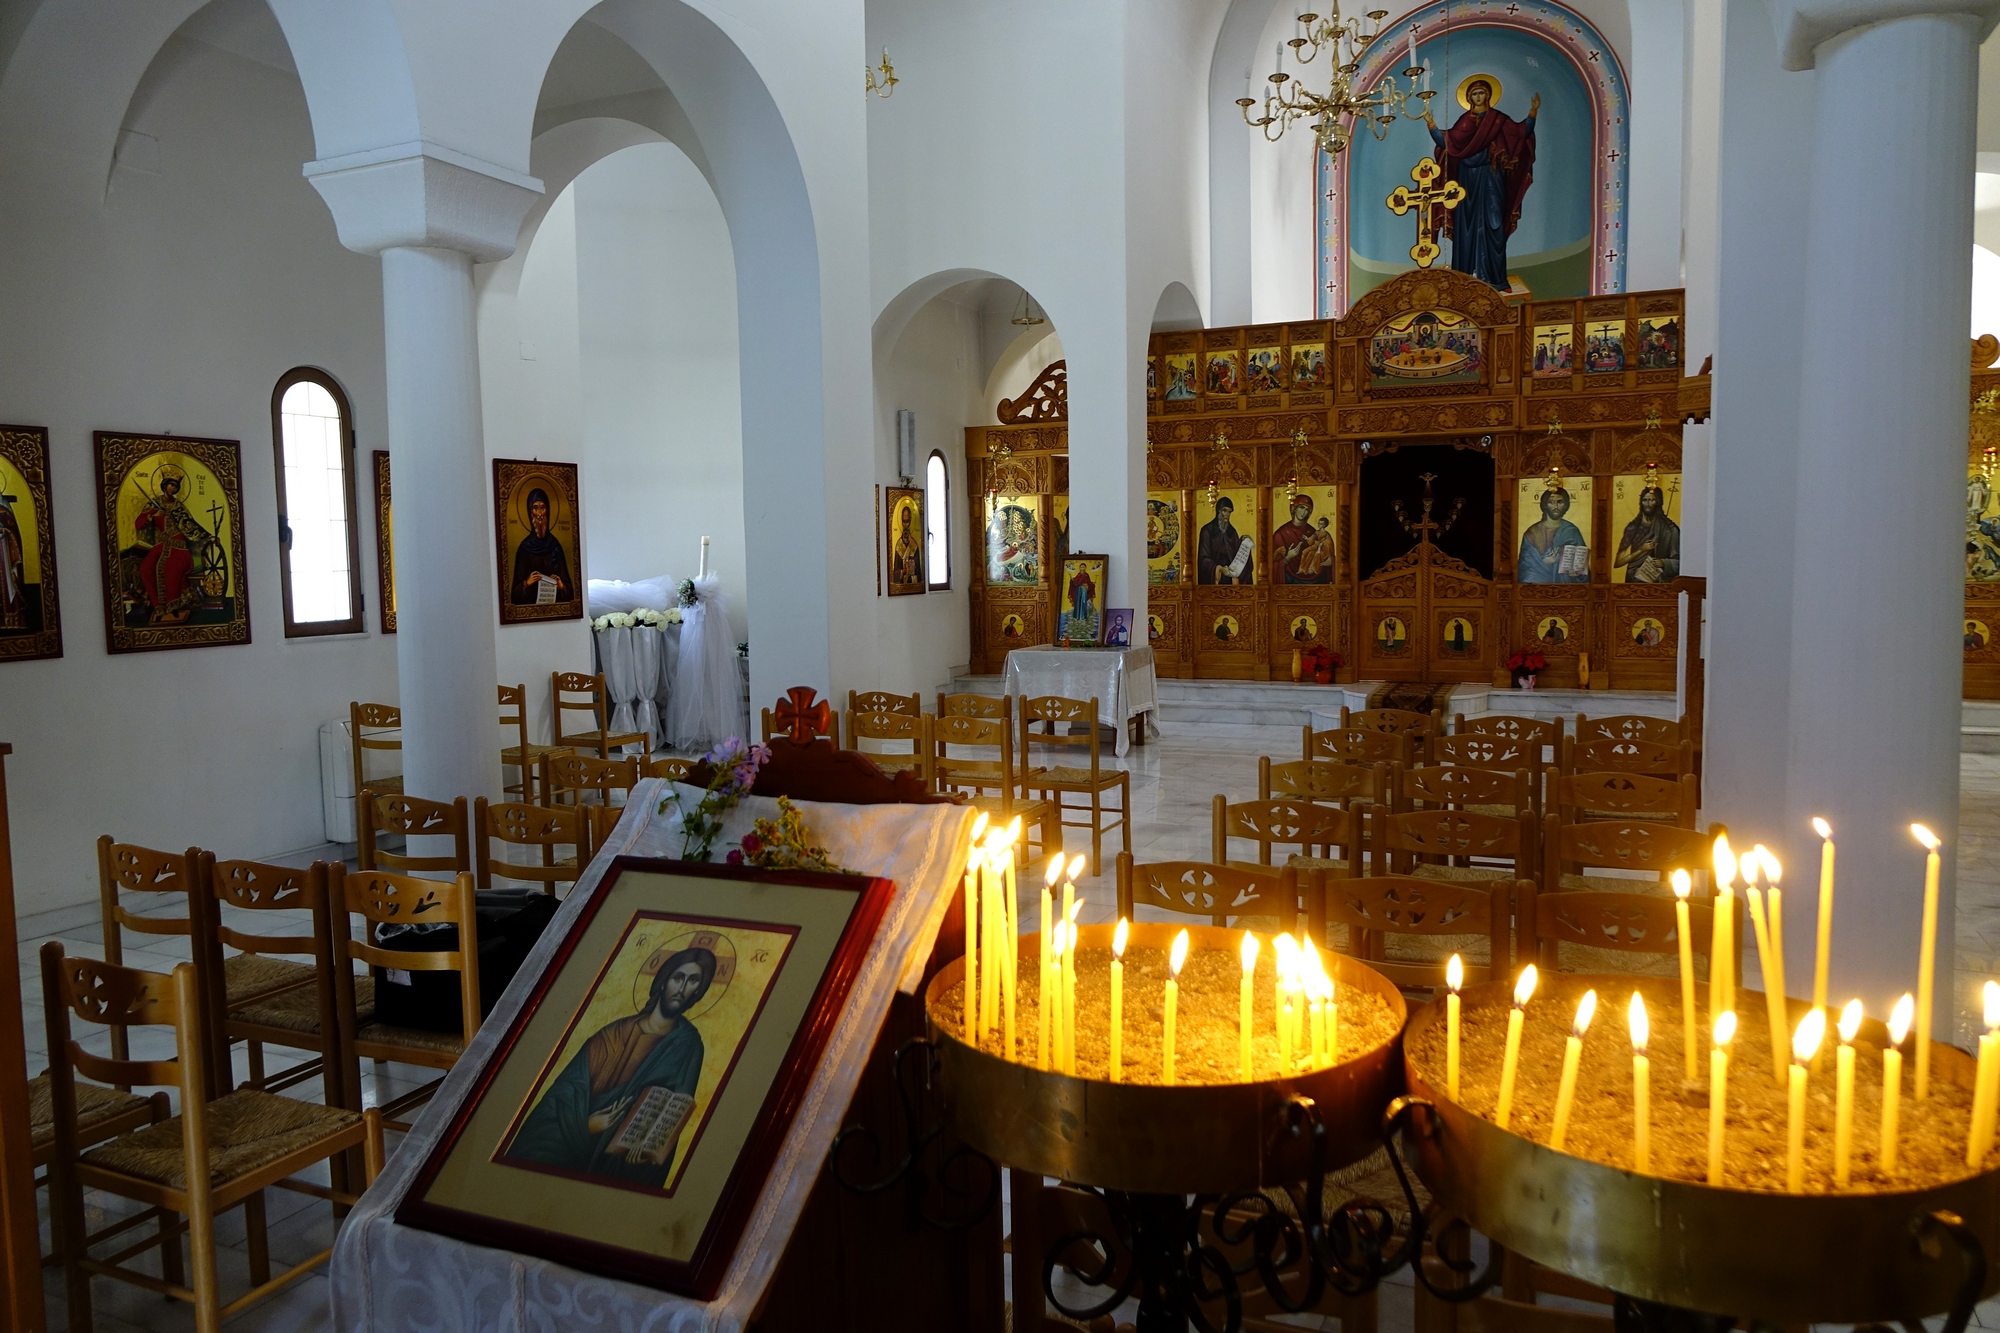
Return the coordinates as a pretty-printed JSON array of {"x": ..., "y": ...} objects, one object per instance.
[
  {"x": 1426, "y": 526},
  {"x": 1427, "y": 196}
]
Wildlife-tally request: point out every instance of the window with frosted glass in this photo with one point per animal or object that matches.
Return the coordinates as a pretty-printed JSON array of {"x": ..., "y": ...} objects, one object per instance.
[
  {"x": 318, "y": 549},
  {"x": 937, "y": 521}
]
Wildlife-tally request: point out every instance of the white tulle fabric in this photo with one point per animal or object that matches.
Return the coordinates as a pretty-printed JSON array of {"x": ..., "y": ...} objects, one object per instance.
[
  {"x": 706, "y": 706},
  {"x": 388, "y": 1278}
]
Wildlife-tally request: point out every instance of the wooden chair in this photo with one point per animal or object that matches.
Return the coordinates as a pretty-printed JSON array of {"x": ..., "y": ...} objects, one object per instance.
[
  {"x": 773, "y": 725},
  {"x": 380, "y": 898},
  {"x": 365, "y": 725},
  {"x": 667, "y": 766},
  {"x": 520, "y": 824},
  {"x": 893, "y": 719},
  {"x": 1440, "y": 844},
  {"x": 600, "y": 737},
  {"x": 521, "y": 754},
  {"x": 1324, "y": 781},
  {"x": 414, "y": 817},
  {"x": 1538, "y": 736},
  {"x": 1408, "y": 928},
  {"x": 1637, "y": 796},
  {"x": 101, "y": 1113},
  {"x": 1631, "y": 727},
  {"x": 1590, "y": 931},
  {"x": 1393, "y": 721},
  {"x": 220, "y": 1152},
  {"x": 598, "y": 822},
  {"x": 1605, "y": 755},
  {"x": 1051, "y": 711},
  {"x": 1353, "y": 745},
  {"x": 1254, "y": 897},
  {"x": 125, "y": 868},
  {"x": 1004, "y": 777},
  {"x": 574, "y": 774},
  {"x": 1646, "y": 853},
  {"x": 1499, "y": 752},
  {"x": 1483, "y": 791},
  {"x": 1284, "y": 822},
  {"x": 299, "y": 1016}
]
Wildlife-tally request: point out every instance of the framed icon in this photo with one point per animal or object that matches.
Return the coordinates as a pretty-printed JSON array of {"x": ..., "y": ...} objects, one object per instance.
[
  {"x": 30, "y": 613},
  {"x": 170, "y": 529},
  {"x": 905, "y": 541},
  {"x": 535, "y": 515}
]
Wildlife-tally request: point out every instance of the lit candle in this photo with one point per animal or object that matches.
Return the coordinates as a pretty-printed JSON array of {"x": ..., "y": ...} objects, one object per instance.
[
  {"x": 1774, "y": 1001},
  {"x": 1805, "y": 1043},
  {"x": 1572, "y": 1056},
  {"x": 1683, "y": 884},
  {"x": 1523, "y": 988},
  {"x": 1010, "y": 978},
  {"x": 1843, "y": 1097},
  {"x": 989, "y": 939},
  {"x": 1718, "y": 1092},
  {"x": 1053, "y": 1007},
  {"x": 1454, "y": 977},
  {"x": 1332, "y": 1016},
  {"x": 1823, "y": 942},
  {"x": 972, "y": 874},
  {"x": 1286, "y": 960},
  {"x": 1118, "y": 999},
  {"x": 1926, "y": 958},
  {"x": 1892, "y": 1080},
  {"x": 1642, "y": 1086},
  {"x": 1074, "y": 938},
  {"x": 1174, "y": 961},
  {"x": 1316, "y": 1004},
  {"x": 1774, "y": 913},
  {"x": 1985, "y": 1083},
  {"x": 1045, "y": 1009},
  {"x": 1243, "y": 1005},
  {"x": 1721, "y": 950}
]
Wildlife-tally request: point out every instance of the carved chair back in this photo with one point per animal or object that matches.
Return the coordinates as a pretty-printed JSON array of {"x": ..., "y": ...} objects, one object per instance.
[
  {"x": 1353, "y": 745},
  {"x": 1625, "y": 845},
  {"x": 414, "y": 817},
  {"x": 1217, "y": 892},
  {"x": 381, "y": 898},
  {"x": 1322, "y": 780},
  {"x": 1393, "y": 721},
  {"x": 1616, "y": 795},
  {"x": 1626, "y": 922},
  {"x": 521, "y": 824},
  {"x": 1287, "y": 821},
  {"x": 1378, "y": 907},
  {"x": 1456, "y": 786},
  {"x": 1629, "y": 727},
  {"x": 578, "y": 773},
  {"x": 1401, "y": 839},
  {"x": 1605, "y": 754},
  {"x": 125, "y": 868},
  {"x": 367, "y": 728}
]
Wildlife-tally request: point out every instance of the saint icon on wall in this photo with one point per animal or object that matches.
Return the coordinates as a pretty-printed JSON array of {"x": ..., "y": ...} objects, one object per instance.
[
  {"x": 1391, "y": 635},
  {"x": 1304, "y": 629},
  {"x": 1555, "y": 547},
  {"x": 30, "y": 622},
  {"x": 1011, "y": 626},
  {"x": 1226, "y": 628},
  {"x": 1303, "y": 546},
  {"x": 1649, "y": 547},
  {"x": 1977, "y": 636},
  {"x": 1458, "y": 636},
  {"x": 1163, "y": 537},
  {"x": 536, "y": 519},
  {"x": 906, "y": 541},
  {"x": 1225, "y": 553},
  {"x": 1982, "y": 529},
  {"x": 1648, "y": 632},
  {"x": 1492, "y": 156},
  {"x": 1013, "y": 541},
  {"x": 1156, "y": 629},
  {"x": 173, "y": 542},
  {"x": 1552, "y": 630}
]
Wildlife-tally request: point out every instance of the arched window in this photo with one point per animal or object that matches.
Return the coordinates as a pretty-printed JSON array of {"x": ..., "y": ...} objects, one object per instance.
[
  {"x": 937, "y": 521},
  {"x": 318, "y": 545}
]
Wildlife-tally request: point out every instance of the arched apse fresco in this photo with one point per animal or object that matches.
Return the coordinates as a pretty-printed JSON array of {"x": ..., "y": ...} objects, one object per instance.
[{"x": 1569, "y": 240}]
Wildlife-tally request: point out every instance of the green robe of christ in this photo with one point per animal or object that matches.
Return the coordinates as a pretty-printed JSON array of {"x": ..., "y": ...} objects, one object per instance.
[{"x": 619, "y": 1061}]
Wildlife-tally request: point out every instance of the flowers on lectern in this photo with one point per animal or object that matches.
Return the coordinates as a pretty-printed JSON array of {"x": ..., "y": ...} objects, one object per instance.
[{"x": 732, "y": 768}]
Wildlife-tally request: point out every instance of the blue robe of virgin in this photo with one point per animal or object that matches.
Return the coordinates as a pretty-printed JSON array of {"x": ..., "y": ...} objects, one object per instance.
[
  {"x": 1493, "y": 157},
  {"x": 557, "y": 1131},
  {"x": 1538, "y": 562}
]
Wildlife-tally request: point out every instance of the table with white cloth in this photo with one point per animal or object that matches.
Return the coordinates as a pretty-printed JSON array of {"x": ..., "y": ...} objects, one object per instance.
[
  {"x": 1122, "y": 680},
  {"x": 392, "y": 1278}
]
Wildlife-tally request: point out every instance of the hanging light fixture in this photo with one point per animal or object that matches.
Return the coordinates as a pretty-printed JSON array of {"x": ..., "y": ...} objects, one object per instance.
[
  {"x": 1334, "y": 115},
  {"x": 885, "y": 86},
  {"x": 1217, "y": 447},
  {"x": 1027, "y": 314}
]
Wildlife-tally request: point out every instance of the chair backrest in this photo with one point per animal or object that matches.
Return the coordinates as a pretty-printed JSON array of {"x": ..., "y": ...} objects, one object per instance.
[
  {"x": 516, "y": 698},
  {"x": 885, "y": 725},
  {"x": 1480, "y": 750},
  {"x": 255, "y": 886},
  {"x": 1510, "y": 726},
  {"x": 666, "y": 766},
  {"x": 586, "y": 772},
  {"x": 124, "y": 867},
  {"x": 984, "y": 728},
  {"x": 1605, "y": 755},
  {"x": 974, "y": 705},
  {"x": 414, "y": 817},
  {"x": 1456, "y": 786},
  {"x": 1624, "y": 844},
  {"x": 1322, "y": 780},
  {"x": 1401, "y": 837},
  {"x": 121, "y": 998},
  {"x": 526, "y": 825},
  {"x": 1217, "y": 892},
  {"x": 1629, "y": 727},
  {"x": 1392, "y": 721},
  {"x": 1353, "y": 745},
  {"x": 382, "y": 898},
  {"x": 1288, "y": 820},
  {"x": 1625, "y": 796},
  {"x": 365, "y": 723},
  {"x": 1627, "y": 922},
  {"x": 881, "y": 701},
  {"x": 565, "y": 684},
  {"x": 1051, "y": 711},
  {"x": 1379, "y": 906}
]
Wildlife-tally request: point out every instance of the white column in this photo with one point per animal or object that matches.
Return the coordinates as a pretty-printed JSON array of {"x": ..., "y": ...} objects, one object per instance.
[
  {"x": 430, "y": 213},
  {"x": 445, "y": 589},
  {"x": 1878, "y": 574},
  {"x": 1107, "y": 452}
]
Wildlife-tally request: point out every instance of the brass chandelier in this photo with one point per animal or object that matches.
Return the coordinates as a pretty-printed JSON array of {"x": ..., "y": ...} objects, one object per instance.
[{"x": 1333, "y": 116}]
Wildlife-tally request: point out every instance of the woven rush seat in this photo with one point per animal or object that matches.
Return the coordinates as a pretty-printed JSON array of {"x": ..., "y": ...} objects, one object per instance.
[
  {"x": 1463, "y": 874},
  {"x": 1476, "y": 950},
  {"x": 1503, "y": 811},
  {"x": 246, "y": 976},
  {"x": 1652, "y": 888},
  {"x": 297, "y": 1010},
  {"x": 1309, "y": 863},
  {"x": 94, "y": 1106},
  {"x": 443, "y": 1043},
  {"x": 1064, "y": 775},
  {"x": 517, "y": 754},
  {"x": 391, "y": 785},
  {"x": 968, "y": 769},
  {"x": 893, "y": 763},
  {"x": 1637, "y": 816},
  {"x": 247, "y": 1130}
]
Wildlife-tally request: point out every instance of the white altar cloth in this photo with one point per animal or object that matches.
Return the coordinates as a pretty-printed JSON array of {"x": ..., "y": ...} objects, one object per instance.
[
  {"x": 1122, "y": 681},
  {"x": 395, "y": 1279}
]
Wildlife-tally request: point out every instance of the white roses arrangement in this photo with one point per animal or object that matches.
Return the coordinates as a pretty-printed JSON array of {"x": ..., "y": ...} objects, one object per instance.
[{"x": 649, "y": 619}]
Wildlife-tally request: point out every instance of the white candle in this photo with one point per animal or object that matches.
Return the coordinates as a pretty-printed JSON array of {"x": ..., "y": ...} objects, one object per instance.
[
  {"x": 1985, "y": 1083},
  {"x": 1843, "y": 1099},
  {"x": 1774, "y": 914},
  {"x": 1774, "y": 1001},
  {"x": 1523, "y": 989},
  {"x": 1045, "y": 1008},
  {"x": 1174, "y": 961},
  {"x": 1683, "y": 884},
  {"x": 1118, "y": 999},
  {"x": 1892, "y": 1080},
  {"x": 1074, "y": 936},
  {"x": 1805, "y": 1043},
  {"x": 1642, "y": 1086},
  {"x": 1244, "y": 1005},
  {"x": 1926, "y": 958},
  {"x": 1454, "y": 976},
  {"x": 1718, "y": 1093},
  {"x": 972, "y": 948},
  {"x": 1572, "y": 1057},
  {"x": 1823, "y": 941},
  {"x": 702, "y": 571},
  {"x": 1721, "y": 952}
]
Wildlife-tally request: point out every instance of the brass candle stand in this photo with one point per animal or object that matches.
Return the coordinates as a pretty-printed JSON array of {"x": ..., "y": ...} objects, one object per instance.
[{"x": 1676, "y": 1248}]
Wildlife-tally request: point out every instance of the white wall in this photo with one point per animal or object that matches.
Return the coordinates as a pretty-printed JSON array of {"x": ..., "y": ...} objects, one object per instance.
[{"x": 173, "y": 301}]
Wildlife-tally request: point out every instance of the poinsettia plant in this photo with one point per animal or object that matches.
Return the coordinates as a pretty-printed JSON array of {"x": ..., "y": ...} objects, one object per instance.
[
  {"x": 1319, "y": 657},
  {"x": 1526, "y": 660}
]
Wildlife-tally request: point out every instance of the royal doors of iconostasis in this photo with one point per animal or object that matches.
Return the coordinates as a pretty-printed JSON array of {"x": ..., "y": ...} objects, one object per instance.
[{"x": 1424, "y": 525}]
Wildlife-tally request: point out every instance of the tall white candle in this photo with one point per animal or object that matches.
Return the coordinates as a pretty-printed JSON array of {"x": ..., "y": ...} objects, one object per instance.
[
  {"x": 1823, "y": 928},
  {"x": 1926, "y": 958}
]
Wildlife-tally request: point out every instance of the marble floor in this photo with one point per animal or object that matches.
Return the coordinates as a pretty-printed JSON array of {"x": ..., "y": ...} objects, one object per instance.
[{"x": 1173, "y": 779}]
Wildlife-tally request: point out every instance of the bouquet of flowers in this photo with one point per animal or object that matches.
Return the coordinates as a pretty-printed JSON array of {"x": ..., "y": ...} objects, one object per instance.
[
  {"x": 615, "y": 620},
  {"x": 782, "y": 844},
  {"x": 1319, "y": 657},
  {"x": 687, "y": 593},
  {"x": 645, "y": 616},
  {"x": 732, "y": 769},
  {"x": 1526, "y": 662}
]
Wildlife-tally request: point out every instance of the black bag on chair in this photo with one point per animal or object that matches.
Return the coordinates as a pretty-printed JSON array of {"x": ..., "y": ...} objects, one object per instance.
[{"x": 510, "y": 921}]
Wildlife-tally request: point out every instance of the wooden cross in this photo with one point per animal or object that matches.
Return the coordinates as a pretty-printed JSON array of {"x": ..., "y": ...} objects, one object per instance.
[
  {"x": 802, "y": 719},
  {"x": 1426, "y": 526},
  {"x": 1425, "y": 198}
]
